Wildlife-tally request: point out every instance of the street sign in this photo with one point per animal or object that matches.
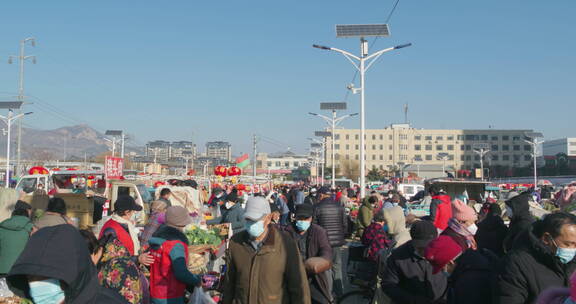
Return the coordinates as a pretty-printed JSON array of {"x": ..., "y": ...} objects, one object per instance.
[
  {"x": 114, "y": 167},
  {"x": 481, "y": 146},
  {"x": 332, "y": 106},
  {"x": 322, "y": 133}
]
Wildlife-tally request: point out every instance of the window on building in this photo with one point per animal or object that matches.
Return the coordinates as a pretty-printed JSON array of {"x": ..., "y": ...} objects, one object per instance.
[
  {"x": 450, "y": 137},
  {"x": 476, "y": 157},
  {"x": 347, "y": 156},
  {"x": 373, "y": 157},
  {"x": 516, "y": 158},
  {"x": 428, "y": 138},
  {"x": 373, "y": 136},
  {"x": 417, "y": 137},
  {"x": 403, "y": 147},
  {"x": 527, "y": 148},
  {"x": 462, "y": 147},
  {"x": 403, "y": 157},
  {"x": 506, "y": 157},
  {"x": 356, "y": 136},
  {"x": 462, "y": 158},
  {"x": 381, "y": 147},
  {"x": 484, "y": 137},
  {"x": 390, "y": 137},
  {"x": 505, "y": 148},
  {"x": 336, "y": 136},
  {"x": 390, "y": 147},
  {"x": 468, "y": 147},
  {"x": 515, "y": 138},
  {"x": 428, "y": 157},
  {"x": 494, "y": 147},
  {"x": 417, "y": 147},
  {"x": 418, "y": 156},
  {"x": 297, "y": 164},
  {"x": 356, "y": 157},
  {"x": 336, "y": 146},
  {"x": 278, "y": 164},
  {"x": 403, "y": 136},
  {"x": 450, "y": 147},
  {"x": 494, "y": 157},
  {"x": 373, "y": 147},
  {"x": 450, "y": 157},
  {"x": 356, "y": 147},
  {"x": 389, "y": 157},
  {"x": 336, "y": 156},
  {"x": 381, "y": 157},
  {"x": 439, "y": 138},
  {"x": 287, "y": 164},
  {"x": 494, "y": 138},
  {"x": 428, "y": 147},
  {"x": 527, "y": 157},
  {"x": 347, "y": 136},
  {"x": 439, "y": 147},
  {"x": 516, "y": 147},
  {"x": 468, "y": 157},
  {"x": 347, "y": 147},
  {"x": 381, "y": 137},
  {"x": 269, "y": 164},
  {"x": 373, "y": 167},
  {"x": 505, "y": 137},
  {"x": 460, "y": 137},
  {"x": 381, "y": 167}
]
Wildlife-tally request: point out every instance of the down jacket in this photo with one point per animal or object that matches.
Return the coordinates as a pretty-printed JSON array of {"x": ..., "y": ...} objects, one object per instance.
[{"x": 332, "y": 217}]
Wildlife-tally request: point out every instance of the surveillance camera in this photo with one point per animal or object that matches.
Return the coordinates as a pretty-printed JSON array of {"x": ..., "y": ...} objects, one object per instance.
[{"x": 350, "y": 86}]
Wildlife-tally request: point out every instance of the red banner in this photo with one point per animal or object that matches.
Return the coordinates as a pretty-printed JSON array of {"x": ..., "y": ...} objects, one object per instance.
[{"x": 114, "y": 167}]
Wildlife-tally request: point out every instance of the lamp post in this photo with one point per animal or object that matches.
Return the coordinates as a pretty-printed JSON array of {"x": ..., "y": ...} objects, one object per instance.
[
  {"x": 21, "y": 60},
  {"x": 481, "y": 150},
  {"x": 322, "y": 145},
  {"x": 115, "y": 134},
  {"x": 417, "y": 160},
  {"x": 532, "y": 139},
  {"x": 333, "y": 122},
  {"x": 362, "y": 64},
  {"x": 8, "y": 120},
  {"x": 443, "y": 157}
]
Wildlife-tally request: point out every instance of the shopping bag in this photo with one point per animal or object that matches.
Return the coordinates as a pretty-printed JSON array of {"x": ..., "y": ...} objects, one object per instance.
[{"x": 200, "y": 297}]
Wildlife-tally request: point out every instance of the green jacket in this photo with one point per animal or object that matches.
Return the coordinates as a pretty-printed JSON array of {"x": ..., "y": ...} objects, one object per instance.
[
  {"x": 365, "y": 215},
  {"x": 14, "y": 234}
]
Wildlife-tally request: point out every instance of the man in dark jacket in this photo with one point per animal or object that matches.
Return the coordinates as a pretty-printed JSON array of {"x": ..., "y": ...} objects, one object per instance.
[
  {"x": 57, "y": 256},
  {"x": 407, "y": 276},
  {"x": 231, "y": 212},
  {"x": 312, "y": 242},
  {"x": 542, "y": 257},
  {"x": 492, "y": 231},
  {"x": 518, "y": 208},
  {"x": 332, "y": 217}
]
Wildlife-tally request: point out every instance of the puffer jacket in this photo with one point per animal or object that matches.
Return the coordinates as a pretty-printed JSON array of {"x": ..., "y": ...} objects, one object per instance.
[
  {"x": 332, "y": 217},
  {"x": 365, "y": 215},
  {"x": 521, "y": 218},
  {"x": 14, "y": 233},
  {"x": 396, "y": 222}
]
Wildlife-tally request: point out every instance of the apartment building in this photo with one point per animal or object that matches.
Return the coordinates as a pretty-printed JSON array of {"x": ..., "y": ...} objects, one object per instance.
[
  {"x": 219, "y": 149},
  {"x": 562, "y": 145},
  {"x": 400, "y": 144}
]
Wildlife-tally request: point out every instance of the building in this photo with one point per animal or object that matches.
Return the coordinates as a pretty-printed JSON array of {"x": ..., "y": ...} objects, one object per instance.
[
  {"x": 163, "y": 151},
  {"x": 563, "y": 145},
  {"x": 398, "y": 145},
  {"x": 158, "y": 150},
  {"x": 280, "y": 163},
  {"x": 219, "y": 149}
]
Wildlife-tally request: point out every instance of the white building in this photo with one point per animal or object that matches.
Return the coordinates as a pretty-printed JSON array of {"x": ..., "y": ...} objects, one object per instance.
[{"x": 562, "y": 145}]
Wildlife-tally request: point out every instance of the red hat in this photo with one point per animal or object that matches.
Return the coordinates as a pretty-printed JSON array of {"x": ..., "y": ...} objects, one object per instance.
[{"x": 441, "y": 251}]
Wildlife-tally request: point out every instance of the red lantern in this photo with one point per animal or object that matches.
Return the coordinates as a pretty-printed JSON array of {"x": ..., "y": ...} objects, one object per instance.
[
  {"x": 38, "y": 170},
  {"x": 191, "y": 172},
  {"x": 240, "y": 187},
  {"x": 234, "y": 171},
  {"x": 91, "y": 177},
  {"x": 158, "y": 184},
  {"x": 220, "y": 171}
]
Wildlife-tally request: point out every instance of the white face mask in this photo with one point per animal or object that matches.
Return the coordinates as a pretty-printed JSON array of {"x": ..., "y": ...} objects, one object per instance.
[
  {"x": 229, "y": 205},
  {"x": 473, "y": 229}
]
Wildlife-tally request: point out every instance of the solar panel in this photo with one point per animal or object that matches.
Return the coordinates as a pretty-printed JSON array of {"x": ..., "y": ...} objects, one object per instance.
[
  {"x": 362, "y": 30},
  {"x": 332, "y": 106},
  {"x": 322, "y": 133},
  {"x": 316, "y": 145},
  {"x": 113, "y": 132},
  {"x": 10, "y": 104},
  {"x": 533, "y": 134}
]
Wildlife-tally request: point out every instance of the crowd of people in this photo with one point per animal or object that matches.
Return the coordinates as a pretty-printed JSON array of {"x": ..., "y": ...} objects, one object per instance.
[{"x": 289, "y": 245}]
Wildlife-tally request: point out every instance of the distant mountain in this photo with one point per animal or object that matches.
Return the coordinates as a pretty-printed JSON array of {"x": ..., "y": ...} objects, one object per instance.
[{"x": 72, "y": 142}]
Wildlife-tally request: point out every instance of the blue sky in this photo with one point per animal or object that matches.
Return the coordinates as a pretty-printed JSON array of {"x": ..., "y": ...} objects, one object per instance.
[{"x": 223, "y": 70}]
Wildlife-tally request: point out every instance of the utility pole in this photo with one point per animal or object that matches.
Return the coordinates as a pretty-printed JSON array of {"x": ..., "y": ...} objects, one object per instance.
[
  {"x": 481, "y": 152},
  {"x": 21, "y": 60},
  {"x": 8, "y": 119},
  {"x": 254, "y": 149},
  {"x": 405, "y": 113}
]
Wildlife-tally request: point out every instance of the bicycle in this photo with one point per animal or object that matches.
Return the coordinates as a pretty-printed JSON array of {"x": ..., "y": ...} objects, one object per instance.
[{"x": 363, "y": 276}]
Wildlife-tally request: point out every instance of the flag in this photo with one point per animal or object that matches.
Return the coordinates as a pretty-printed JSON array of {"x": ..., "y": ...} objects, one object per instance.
[{"x": 242, "y": 161}]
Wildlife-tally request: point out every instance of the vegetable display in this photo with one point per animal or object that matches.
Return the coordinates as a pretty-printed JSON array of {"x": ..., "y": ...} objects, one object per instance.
[{"x": 198, "y": 236}]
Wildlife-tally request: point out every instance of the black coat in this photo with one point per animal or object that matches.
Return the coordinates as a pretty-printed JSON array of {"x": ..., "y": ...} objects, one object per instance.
[
  {"x": 521, "y": 218},
  {"x": 234, "y": 216},
  {"x": 317, "y": 245},
  {"x": 60, "y": 252},
  {"x": 530, "y": 268},
  {"x": 408, "y": 278},
  {"x": 491, "y": 234},
  {"x": 332, "y": 217},
  {"x": 474, "y": 278}
]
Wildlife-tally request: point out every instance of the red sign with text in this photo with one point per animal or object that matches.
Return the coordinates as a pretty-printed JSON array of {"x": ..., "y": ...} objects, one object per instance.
[{"x": 114, "y": 167}]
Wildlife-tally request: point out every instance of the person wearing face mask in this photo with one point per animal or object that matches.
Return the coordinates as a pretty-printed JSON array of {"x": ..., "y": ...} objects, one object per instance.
[
  {"x": 462, "y": 225},
  {"x": 232, "y": 213},
  {"x": 542, "y": 257},
  {"x": 375, "y": 237},
  {"x": 312, "y": 242},
  {"x": 55, "y": 267},
  {"x": 119, "y": 265},
  {"x": 263, "y": 263},
  {"x": 518, "y": 211},
  {"x": 472, "y": 276}
]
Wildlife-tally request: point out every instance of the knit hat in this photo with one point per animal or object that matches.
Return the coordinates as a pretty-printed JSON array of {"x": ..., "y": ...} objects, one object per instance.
[
  {"x": 441, "y": 251},
  {"x": 177, "y": 216},
  {"x": 422, "y": 233},
  {"x": 22, "y": 205},
  {"x": 57, "y": 205},
  {"x": 463, "y": 212}
]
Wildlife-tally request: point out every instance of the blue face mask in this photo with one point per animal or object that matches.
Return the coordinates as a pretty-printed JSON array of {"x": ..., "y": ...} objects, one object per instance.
[
  {"x": 46, "y": 292},
  {"x": 303, "y": 225},
  {"x": 564, "y": 254},
  {"x": 255, "y": 229}
]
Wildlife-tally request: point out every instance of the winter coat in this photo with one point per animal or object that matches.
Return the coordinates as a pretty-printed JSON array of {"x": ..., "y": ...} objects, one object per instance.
[
  {"x": 407, "y": 278},
  {"x": 14, "y": 233},
  {"x": 491, "y": 234},
  {"x": 50, "y": 219},
  {"x": 529, "y": 269},
  {"x": 376, "y": 239},
  {"x": 60, "y": 252},
  {"x": 396, "y": 225},
  {"x": 440, "y": 210},
  {"x": 365, "y": 215},
  {"x": 474, "y": 280},
  {"x": 332, "y": 217},
  {"x": 234, "y": 216},
  {"x": 272, "y": 275},
  {"x": 521, "y": 218},
  {"x": 317, "y": 245}
]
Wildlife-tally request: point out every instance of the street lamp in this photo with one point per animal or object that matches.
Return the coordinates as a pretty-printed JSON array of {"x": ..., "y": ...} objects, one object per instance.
[
  {"x": 417, "y": 160},
  {"x": 322, "y": 145},
  {"x": 365, "y": 61},
  {"x": 333, "y": 122},
  {"x": 532, "y": 139},
  {"x": 114, "y": 134},
  {"x": 443, "y": 157},
  {"x": 8, "y": 120},
  {"x": 481, "y": 150}
]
